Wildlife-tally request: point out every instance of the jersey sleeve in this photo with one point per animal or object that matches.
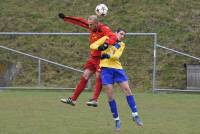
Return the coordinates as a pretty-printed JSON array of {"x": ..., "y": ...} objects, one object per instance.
[
  {"x": 77, "y": 21},
  {"x": 112, "y": 37},
  {"x": 99, "y": 42}
]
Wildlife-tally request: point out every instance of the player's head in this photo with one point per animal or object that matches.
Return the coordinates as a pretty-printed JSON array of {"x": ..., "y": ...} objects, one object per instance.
[
  {"x": 93, "y": 22},
  {"x": 120, "y": 34}
]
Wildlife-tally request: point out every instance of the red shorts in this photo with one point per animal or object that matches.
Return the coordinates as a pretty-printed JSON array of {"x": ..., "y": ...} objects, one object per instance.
[{"x": 93, "y": 64}]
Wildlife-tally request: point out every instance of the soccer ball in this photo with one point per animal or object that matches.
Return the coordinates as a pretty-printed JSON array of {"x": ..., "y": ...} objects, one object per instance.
[{"x": 101, "y": 10}]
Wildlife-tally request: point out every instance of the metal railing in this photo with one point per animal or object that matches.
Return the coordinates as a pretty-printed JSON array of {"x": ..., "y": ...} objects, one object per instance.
[
  {"x": 39, "y": 59},
  {"x": 39, "y": 63},
  {"x": 177, "y": 52},
  {"x": 154, "y": 35}
]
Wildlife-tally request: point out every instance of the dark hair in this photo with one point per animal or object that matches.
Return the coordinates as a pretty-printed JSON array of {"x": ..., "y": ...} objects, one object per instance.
[{"x": 120, "y": 29}]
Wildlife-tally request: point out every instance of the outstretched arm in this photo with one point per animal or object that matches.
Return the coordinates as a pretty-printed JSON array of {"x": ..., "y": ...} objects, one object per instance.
[{"x": 75, "y": 20}]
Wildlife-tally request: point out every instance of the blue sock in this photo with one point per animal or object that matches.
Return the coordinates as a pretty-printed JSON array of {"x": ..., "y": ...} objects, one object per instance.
[
  {"x": 131, "y": 103},
  {"x": 113, "y": 109}
]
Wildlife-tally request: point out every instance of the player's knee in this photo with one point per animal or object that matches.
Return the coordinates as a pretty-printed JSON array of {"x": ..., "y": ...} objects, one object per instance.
[
  {"x": 110, "y": 94},
  {"x": 97, "y": 75},
  {"x": 86, "y": 76}
]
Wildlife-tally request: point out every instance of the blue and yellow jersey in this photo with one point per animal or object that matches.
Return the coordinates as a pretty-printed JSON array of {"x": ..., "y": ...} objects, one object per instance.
[{"x": 115, "y": 51}]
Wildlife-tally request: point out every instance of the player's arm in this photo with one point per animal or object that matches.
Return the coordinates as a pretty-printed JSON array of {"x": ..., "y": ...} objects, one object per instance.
[
  {"x": 75, "y": 20},
  {"x": 97, "y": 44}
]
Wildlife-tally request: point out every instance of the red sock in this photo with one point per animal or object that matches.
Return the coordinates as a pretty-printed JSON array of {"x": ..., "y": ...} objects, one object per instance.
[
  {"x": 97, "y": 89},
  {"x": 80, "y": 87}
]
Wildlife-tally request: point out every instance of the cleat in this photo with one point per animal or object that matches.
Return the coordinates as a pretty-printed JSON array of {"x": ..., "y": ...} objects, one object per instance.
[
  {"x": 92, "y": 103},
  {"x": 117, "y": 125},
  {"x": 137, "y": 120},
  {"x": 68, "y": 101}
]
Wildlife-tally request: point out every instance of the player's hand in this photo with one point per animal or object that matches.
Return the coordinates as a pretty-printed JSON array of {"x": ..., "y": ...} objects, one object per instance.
[
  {"x": 61, "y": 15},
  {"x": 105, "y": 56},
  {"x": 103, "y": 47}
]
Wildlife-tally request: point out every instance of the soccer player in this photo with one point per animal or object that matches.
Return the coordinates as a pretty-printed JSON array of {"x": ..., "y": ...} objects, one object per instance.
[
  {"x": 112, "y": 72},
  {"x": 97, "y": 30}
]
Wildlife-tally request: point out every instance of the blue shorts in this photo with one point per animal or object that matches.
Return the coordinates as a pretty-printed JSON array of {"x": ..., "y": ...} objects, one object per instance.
[{"x": 112, "y": 75}]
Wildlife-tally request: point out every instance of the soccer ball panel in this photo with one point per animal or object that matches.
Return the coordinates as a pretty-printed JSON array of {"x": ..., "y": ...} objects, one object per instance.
[{"x": 101, "y": 10}]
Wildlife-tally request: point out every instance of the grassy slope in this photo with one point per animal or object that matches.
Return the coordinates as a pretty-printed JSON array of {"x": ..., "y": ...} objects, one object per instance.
[
  {"x": 175, "y": 21},
  {"x": 42, "y": 113}
]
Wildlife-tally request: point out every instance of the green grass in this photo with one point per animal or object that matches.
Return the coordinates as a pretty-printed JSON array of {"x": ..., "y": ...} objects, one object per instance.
[{"x": 39, "y": 112}]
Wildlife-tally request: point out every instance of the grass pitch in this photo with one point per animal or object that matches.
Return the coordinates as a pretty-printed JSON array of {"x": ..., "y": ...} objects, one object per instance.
[{"x": 40, "y": 112}]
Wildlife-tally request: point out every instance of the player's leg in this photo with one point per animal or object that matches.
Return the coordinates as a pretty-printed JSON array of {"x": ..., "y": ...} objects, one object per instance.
[
  {"x": 98, "y": 85},
  {"x": 122, "y": 79},
  {"x": 107, "y": 81},
  {"x": 80, "y": 87},
  {"x": 89, "y": 69},
  {"x": 113, "y": 105},
  {"x": 82, "y": 83},
  {"x": 131, "y": 102},
  {"x": 96, "y": 91}
]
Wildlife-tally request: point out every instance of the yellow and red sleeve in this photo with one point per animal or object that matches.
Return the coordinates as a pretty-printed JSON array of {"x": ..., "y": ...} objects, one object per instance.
[{"x": 99, "y": 42}]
